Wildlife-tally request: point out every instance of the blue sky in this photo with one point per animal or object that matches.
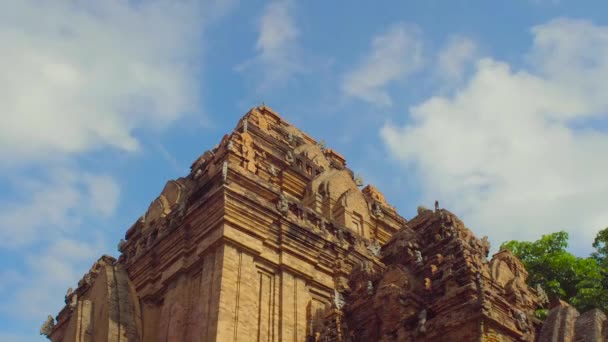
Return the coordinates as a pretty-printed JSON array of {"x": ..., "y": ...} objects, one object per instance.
[{"x": 495, "y": 108}]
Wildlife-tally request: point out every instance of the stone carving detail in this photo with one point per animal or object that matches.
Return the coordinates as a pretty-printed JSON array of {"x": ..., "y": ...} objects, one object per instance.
[
  {"x": 542, "y": 295},
  {"x": 359, "y": 180},
  {"x": 225, "y": 171},
  {"x": 73, "y": 301},
  {"x": 202, "y": 161},
  {"x": 370, "y": 287},
  {"x": 418, "y": 256},
  {"x": 289, "y": 158},
  {"x": 434, "y": 261},
  {"x": 374, "y": 195},
  {"x": 248, "y": 152},
  {"x": 421, "y": 327},
  {"x": 520, "y": 319},
  {"x": 245, "y": 126},
  {"x": 87, "y": 280},
  {"x": 374, "y": 248},
  {"x": 47, "y": 326},
  {"x": 422, "y": 210},
  {"x": 338, "y": 299},
  {"x": 173, "y": 194},
  {"x": 68, "y": 295},
  {"x": 283, "y": 205},
  {"x": 377, "y": 210},
  {"x": 272, "y": 170},
  {"x": 260, "y": 118},
  {"x": 485, "y": 245},
  {"x": 121, "y": 245}
]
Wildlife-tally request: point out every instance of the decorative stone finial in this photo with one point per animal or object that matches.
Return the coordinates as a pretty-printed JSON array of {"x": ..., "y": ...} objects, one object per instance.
[
  {"x": 68, "y": 294},
  {"x": 224, "y": 171},
  {"x": 289, "y": 158},
  {"x": 272, "y": 170},
  {"x": 370, "y": 287},
  {"x": 520, "y": 319},
  {"x": 359, "y": 180},
  {"x": 338, "y": 299},
  {"x": 422, "y": 209},
  {"x": 283, "y": 205},
  {"x": 377, "y": 210},
  {"x": 87, "y": 279},
  {"x": 121, "y": 245},
  {"x": 542, "y": 295},
  {"x": 421, "y": 327},
  {"x": 47, "y": 326},
  {"x": 374, "y": 248},
  {"x": 418, "y": 256},
  {"x": 74, "y": 301}
]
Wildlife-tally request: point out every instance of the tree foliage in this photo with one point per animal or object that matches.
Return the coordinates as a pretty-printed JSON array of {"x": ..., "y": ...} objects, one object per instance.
[
  {"x": 583, "y": 282},
  {"x": 601, "y": 247}
]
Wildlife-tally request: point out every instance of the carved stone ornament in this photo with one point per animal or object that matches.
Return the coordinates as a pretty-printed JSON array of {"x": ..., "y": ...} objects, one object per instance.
[
  {"x": 338, "y": 299},
  {"x": 359, "y": 180},
  {"x": 421, "y": 326},
  {"x": 542, "y": 295},
  {"x": 377, "y": 210},
  {"x": 370, "y": 287},
  {"x": 74, "y": 301},
  {"x": 289, "y": 158},
  {"x": 68, "y": 294},
  {"x": 88, "y": 280},
  {"x": 374, "y": 248},
  {"x": 224, "y": 171},
  {"x": 485, "y": 245},
  {"x": 47, "y": 326},
  {"x": 272, "y": 170},
  {"x": 245, "y": 126},
  {"x": 282, "y": 205},
  {"x": 121, "y": 245},
  {"x": 520, "y": 320},
  {"x": 418, "y": 257}
]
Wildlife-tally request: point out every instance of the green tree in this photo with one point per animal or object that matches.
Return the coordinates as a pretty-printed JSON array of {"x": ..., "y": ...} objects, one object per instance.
[
  {"x": 601, "y": 247},
  {"x": 579, "y": 281},
  {"x": 601, "y": 254}
]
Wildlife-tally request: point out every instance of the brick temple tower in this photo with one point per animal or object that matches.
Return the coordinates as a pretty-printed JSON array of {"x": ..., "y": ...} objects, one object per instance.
[{"x": 272, "y": 238}]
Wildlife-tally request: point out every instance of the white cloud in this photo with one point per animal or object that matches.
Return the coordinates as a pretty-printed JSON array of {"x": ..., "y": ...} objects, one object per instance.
[
  {"x": 77, "y": 76},
  {"x": 103, "y": 193},
  {"x": 47, "y": 208},
  {"x": 394, "y": 55},
  {"x": 454, "y": 58},
  {"x": 277, "y": 47},
  {"x": 504, "y": 152}
]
